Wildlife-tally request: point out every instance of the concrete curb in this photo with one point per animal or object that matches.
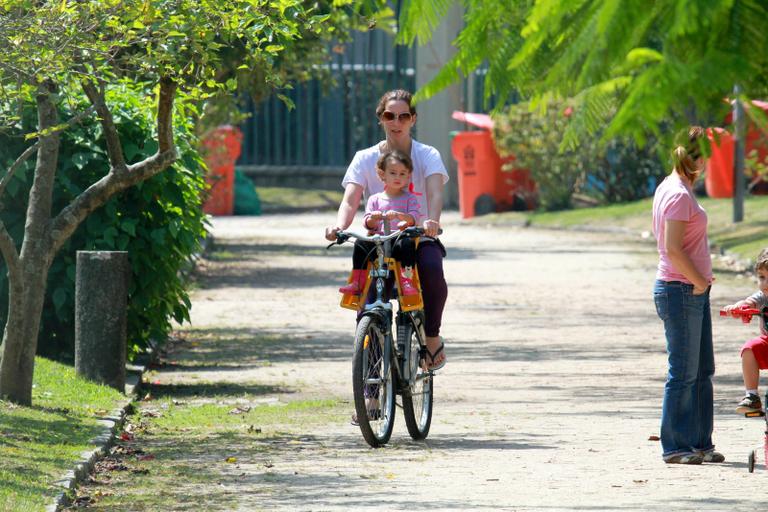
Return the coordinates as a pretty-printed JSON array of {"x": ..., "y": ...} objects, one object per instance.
[{"x": 112, "y": 423}]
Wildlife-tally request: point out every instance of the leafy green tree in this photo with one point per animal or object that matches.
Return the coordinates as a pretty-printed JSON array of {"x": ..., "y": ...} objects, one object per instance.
[
  {"x": 172, "y": 51},
  {"x": 630, "y": 66}
]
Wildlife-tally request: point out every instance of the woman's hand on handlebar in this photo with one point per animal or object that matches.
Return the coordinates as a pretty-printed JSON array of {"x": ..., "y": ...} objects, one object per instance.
[
  {"x": 431, "y": 227},
  {"x": 330, "y": 233}
]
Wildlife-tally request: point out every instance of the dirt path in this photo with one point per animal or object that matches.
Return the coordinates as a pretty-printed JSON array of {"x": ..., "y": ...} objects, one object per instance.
[{"x": 553, "y": 386}]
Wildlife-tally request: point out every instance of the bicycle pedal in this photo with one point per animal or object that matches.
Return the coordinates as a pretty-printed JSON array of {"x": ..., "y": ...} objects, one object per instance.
[{"x": 756, "y": 414}]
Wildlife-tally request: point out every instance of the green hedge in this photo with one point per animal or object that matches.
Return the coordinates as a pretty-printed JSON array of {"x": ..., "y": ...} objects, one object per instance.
[{"x": 159, "y": 222}]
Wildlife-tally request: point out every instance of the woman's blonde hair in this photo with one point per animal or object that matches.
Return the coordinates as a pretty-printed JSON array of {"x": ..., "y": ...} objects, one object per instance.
[{"x": 686, "y": 154}]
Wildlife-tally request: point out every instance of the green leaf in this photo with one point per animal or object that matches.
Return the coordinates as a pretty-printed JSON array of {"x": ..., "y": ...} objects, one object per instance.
[
  {"x": 640, "y": 56},
  {"x": 129, "y": 226},
  {"x": 59, "y": 297}
]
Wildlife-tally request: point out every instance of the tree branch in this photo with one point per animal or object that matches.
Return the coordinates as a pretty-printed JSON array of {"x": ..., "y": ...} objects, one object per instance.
[
  {"x": 9, "y": 252},
  {"x": 165, "y": 115},
  {"x": 67, "y": 221},
  {"x": 114, "y": 149},
  {"x": 31, "y": 149},
  {"x": 15, "y": 165}
]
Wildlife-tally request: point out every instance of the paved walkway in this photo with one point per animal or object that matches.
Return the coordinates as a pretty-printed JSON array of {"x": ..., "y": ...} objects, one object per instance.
[{"x": 551, "y": 393}]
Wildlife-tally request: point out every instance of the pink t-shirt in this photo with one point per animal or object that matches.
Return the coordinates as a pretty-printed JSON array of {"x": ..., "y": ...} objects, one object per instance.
[
  {"x": 674, "y": 200},
  {"x": 405, "y": 203}
]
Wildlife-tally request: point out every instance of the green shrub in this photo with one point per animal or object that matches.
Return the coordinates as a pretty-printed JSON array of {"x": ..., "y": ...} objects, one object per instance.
[
  {"x": 159, "y": 222},
  {"x": 534, "y": 137},
  {"x": 623, "y": 172},
  {"x": 614, "y": 172}
]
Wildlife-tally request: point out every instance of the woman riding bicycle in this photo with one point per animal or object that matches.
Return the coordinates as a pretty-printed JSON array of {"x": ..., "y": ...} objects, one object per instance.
[{"x": 397, "y": 116}]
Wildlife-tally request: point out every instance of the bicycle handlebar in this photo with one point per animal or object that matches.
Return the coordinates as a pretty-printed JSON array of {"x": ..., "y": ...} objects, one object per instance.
[
  {"x": 413, "y": 231},
  {"x": 745, "y": 314}
]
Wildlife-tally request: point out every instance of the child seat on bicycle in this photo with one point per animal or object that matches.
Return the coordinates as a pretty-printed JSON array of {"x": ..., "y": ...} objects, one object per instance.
[{"x": 400, "y": 209}]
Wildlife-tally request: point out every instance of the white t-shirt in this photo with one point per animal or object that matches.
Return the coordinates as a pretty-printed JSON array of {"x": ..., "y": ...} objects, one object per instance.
[{"x": 426, "y": 162}]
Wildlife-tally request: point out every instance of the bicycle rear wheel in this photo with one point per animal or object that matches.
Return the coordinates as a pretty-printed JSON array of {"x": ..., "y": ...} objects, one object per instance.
[
  {"x": 417, "y": 399},
  {"x": 372, "y": 384}
]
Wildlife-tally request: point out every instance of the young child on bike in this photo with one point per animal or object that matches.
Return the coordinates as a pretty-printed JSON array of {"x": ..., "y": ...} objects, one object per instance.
[
  {"x": 754, "y": 353},
  {"x": 397, "y": 206}
]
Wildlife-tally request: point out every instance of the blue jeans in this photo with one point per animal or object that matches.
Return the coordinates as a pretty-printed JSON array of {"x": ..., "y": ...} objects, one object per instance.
[{"x": 686, "y": 415}]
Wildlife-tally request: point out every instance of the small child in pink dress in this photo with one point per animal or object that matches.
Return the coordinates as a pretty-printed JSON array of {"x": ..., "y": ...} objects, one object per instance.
[
  {"x": 397, "y": 206},
  {"x": 754, "y": 353}
]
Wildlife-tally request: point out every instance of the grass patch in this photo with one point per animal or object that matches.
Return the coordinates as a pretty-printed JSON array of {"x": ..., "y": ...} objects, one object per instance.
[
  {"x": 215, "y": 417},
  {"x": 288, "y": 199},
  {"x": 743, "y": 239},
  {"x": 188, "y": 455},
  {"x": 39, "y": 444}
]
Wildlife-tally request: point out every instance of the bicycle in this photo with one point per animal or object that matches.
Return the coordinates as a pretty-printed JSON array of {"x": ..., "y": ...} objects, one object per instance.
[
  {"x": 383, "y": 365},
  {"x": 745, "y": 314}
]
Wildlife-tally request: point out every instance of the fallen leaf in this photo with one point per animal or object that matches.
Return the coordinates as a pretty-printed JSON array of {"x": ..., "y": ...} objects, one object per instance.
[
  {"x": 125, "y": 436},
  {"x": 654, "y": 438},
  {"x": 240, "y": 410},
  {"x": 231, "y": 460}
]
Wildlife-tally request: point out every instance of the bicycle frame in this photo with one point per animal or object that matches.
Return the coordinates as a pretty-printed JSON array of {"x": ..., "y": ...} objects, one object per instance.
[{"x": 381, "y": 305}]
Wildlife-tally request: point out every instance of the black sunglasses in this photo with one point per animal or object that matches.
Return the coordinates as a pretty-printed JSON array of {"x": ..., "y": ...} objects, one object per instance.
[{"x": 404, "y": 117}]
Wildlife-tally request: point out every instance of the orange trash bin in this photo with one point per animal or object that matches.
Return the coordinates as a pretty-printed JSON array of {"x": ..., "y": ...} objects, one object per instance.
[
  {"x": 221, "y": 150},
  {"x": 478, "y": 162},
  {"x": 483, "y": 186}
]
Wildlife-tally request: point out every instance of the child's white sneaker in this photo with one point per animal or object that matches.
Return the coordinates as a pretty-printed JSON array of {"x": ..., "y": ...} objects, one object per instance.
[{"x": 750, "y": 403}]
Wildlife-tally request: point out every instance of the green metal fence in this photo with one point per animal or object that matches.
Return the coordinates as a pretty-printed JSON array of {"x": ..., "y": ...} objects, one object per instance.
[{"x": 328, "y": 126}]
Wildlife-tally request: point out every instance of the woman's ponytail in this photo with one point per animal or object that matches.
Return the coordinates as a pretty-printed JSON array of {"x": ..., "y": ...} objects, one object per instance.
[{"x": 684, "y": 157}]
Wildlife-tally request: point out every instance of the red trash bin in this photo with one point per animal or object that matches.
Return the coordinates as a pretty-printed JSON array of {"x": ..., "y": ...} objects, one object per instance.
[
  {"x": 718, "y": 176},
  {"x": 221, "y": 150},
  {"x": 718, "y": 179},
  {"x": 483, "y": 186}
]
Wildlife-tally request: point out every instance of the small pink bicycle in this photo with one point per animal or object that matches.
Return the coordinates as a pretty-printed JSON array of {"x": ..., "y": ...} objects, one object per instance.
[{"x": 746, "y": 314}]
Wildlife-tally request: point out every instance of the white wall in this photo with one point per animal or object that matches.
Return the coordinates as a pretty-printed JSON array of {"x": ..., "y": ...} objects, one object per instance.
[{"x": 434, "y": 115}]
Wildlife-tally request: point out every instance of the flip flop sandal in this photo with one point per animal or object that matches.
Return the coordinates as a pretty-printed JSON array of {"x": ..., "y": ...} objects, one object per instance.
[{"x": 434, "y": 355}]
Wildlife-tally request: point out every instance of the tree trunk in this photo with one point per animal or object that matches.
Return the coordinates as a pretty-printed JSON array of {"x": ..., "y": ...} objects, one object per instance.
[
  {"x": 26, "y": 286},
  {"x": 17, "y": 352}
]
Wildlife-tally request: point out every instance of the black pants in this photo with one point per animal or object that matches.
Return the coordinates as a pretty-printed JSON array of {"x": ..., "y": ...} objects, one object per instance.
[{"x": 403, "y": 251}]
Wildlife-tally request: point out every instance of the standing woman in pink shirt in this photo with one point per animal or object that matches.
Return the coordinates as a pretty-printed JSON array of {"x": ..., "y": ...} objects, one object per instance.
[{"x": 681, "y": 294}]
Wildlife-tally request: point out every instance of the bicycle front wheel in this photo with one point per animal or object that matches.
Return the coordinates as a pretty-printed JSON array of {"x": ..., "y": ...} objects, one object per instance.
[
  {"x": 417, "y": 398},
  {"x": 372, "y": 384}
]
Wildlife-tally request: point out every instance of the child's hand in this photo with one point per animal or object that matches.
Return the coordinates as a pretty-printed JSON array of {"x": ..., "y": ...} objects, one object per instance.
[
  {"x": 376, "y": 216},
  {"x": 739, "y": 305},
  {"x": 392, "y": 215}
]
